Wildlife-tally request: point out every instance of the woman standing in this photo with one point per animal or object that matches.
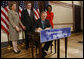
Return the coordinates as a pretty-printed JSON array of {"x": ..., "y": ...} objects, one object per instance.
[
  {"x": 50, "y": 15},
  {"x": 14, "y": 27}
]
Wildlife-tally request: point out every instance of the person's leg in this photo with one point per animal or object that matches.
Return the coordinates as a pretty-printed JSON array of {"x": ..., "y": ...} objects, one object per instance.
[
  {"x": 46, "y": 46},
  {"x": 15, "y": 49},
  {"x": 14, "y": 43},
  {"x": 10, "y": 42},
  {"x": 17, "y": 46},
  {"x": 26, "y": 40}
]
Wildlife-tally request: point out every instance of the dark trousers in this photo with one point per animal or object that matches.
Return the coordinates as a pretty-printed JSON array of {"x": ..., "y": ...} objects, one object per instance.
[
  {"x": 26, "y": 39},
  {"x": 46, "y": 46}
]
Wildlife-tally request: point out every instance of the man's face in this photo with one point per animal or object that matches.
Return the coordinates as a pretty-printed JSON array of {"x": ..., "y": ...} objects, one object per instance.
[
  {"x": 43, "y": 16},
  {"x": 29, "y": 6}
]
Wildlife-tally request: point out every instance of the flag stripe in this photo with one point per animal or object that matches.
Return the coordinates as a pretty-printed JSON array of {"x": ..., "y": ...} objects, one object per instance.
[
  {"x": 4, "y": 16},
  {"x": 36, "y": 13},
  {"x": 19, "y": 14},
  {"x": 2, "y": 9},
  {"x": 21, "y": 7},
  {"x": 35, "y": 17},
  {"x": 36, "y": 10},
  {"x": 4, "y": 29},
  {"x": 4, "y": 21}
]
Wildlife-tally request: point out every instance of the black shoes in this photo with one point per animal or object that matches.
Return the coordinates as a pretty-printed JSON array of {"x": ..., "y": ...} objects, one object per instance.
[
  {"x": 36, "y": 44},
  {"x": 17, "y": 51},
  {"x": 44, "y": 54},
  {"x": 26, "y": 47}
]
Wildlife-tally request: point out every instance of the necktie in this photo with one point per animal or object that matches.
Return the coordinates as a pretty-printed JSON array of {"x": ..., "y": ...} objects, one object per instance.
[{"x": 43, "y": 24}]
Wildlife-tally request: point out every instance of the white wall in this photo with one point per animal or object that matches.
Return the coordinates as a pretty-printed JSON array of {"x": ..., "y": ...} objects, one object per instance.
[
  {"x": 62, "y": 15},
  {"x": 82, "y": 16}
]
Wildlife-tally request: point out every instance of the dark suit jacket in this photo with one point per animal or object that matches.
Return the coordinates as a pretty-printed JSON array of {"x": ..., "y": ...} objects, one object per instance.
[
  {"x": 39, "y": 24},
  {"x": 28, "y": 21}
]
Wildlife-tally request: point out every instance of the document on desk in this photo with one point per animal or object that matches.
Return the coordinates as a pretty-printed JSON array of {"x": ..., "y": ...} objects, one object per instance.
[{"x": 53, "y": 34}]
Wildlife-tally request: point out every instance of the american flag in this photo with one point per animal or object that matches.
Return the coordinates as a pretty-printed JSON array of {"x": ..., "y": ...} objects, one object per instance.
[
  {"x": 36, "y": 10},
  {"x": 21, "y": 7},
  {"x": 4, "y": 16}
]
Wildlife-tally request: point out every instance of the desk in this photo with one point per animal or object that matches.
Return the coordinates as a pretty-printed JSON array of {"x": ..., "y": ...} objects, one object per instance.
[{"x": 35, "y": 36}]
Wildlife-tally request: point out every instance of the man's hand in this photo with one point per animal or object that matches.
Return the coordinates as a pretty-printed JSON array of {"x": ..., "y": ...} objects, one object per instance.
[
  {"x": 38, "y": 29},
  {"x": 47, "y": 28},
  {"x": 24, "y": 28}
]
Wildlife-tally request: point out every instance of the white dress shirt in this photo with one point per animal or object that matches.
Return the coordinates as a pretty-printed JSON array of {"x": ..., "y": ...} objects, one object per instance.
[{"x": 29, "y": 11}]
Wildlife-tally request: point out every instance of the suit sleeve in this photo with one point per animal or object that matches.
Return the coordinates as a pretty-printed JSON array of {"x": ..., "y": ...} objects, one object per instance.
[
  {"x": 48, "y": 23},
  {"x": 11, "y": 19},
  {"x": 23, "y": 18},
  {"x": 38, "y": 23},
  {"x": 20, "y": 23}
]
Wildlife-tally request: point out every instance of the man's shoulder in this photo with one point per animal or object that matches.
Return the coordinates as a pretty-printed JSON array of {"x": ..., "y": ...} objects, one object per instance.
[
  {"x": 24, "y": 10},
  {"x": 32, "y": 11},
  {"x": 47, "y": 20},
  {"x": 38, "y": 20}
]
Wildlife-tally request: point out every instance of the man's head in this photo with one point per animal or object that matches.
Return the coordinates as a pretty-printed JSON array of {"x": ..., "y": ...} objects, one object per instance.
[
  {"x": 28, "y": 5},
  {"x": 43, "y": 15}
]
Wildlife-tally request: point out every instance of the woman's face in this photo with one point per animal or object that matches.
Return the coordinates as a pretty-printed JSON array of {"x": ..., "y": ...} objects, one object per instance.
[
  {"x": 14, "y": 7},
  {"x": 49, "y": 8}
]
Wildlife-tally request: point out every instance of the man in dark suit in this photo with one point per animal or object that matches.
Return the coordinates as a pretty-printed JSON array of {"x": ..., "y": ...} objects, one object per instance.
[
  {"x": 28, "y": 20},
  {"x": 43, "y": 24}
]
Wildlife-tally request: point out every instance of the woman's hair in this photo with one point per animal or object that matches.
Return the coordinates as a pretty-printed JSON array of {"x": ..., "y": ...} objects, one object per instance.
[
  {"x": 50, "y": 7},
  {"x": 11, "y": 4}
]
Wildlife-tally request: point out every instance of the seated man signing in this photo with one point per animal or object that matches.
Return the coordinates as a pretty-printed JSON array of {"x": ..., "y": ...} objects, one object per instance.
[{"x": 43, "y": 24}]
